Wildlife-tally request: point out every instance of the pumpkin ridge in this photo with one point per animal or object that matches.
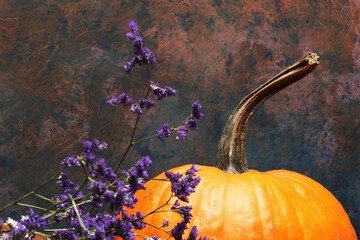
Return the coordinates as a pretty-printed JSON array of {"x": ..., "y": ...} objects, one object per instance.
[
  {"x": 257, "y": 193},
  {"x": 331, "y": 209},
  {"x": 282, "y": 188},
  {"x": 225, "y": 209}
]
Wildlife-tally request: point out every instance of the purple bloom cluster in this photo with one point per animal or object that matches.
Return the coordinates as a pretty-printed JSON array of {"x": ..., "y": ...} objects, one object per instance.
[
  {"x": 183, "y": 186},
  {"x": 121, "y": 99},
  {"x": 190, "y": 123},
  {"x": 24, "y": 228},
  {"x": 104, "y": 187},
  {"x": 182, "y": 130},
  {"x": 143, "y": 55},
  {"x": 136, "y": 175},
  {"x": 161, "y": 92},
  {"x": 164, "y": 131},
  {"x": 143, "y": 103}
]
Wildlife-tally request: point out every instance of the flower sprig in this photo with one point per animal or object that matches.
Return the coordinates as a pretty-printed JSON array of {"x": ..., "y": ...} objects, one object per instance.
[{"x": 98, "y": 207}]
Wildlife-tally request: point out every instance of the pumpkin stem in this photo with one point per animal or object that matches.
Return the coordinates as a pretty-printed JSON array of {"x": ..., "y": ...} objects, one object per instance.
[{"x": 231, "y": 155}]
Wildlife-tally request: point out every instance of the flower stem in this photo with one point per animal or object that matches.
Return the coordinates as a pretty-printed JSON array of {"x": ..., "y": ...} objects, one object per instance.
[
  {"x": 29, "y": 205},
  {"x": 131, "y": 143},
  {"x": 42, "y": 197},
  {"x": 78, "y": 215},
  {"x": 32, "y": 192}
]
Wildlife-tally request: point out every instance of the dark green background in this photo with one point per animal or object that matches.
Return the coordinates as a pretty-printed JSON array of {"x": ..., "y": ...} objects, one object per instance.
[{"x": 61, "y": 60}]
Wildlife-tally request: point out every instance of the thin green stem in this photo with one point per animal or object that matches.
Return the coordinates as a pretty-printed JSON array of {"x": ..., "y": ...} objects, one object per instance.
[
  {"x": 156, "y": 227},
  {"x": 131, "y": 143},
  {"x": 144, "y": 139},
  {"x": 63, "y": 201},
  {"x": 29, "y": 205},
  {"x": 58, "y": 229},
  {"x": 42, "y": 197},
  {"x": 78, "y": 216},
  {"x": 32, "y": 192},
  {"x": 163, "y": 205},
  {"x": 152, "y": 136}
]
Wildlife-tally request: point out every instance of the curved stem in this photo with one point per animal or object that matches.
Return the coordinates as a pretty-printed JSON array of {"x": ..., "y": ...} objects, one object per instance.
[
  {"x": 231, "y": 155},
  {"x": 131, "y": 143}
]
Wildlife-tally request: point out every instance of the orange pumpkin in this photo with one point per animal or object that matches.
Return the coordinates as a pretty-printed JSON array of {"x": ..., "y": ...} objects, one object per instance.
[{"x": 232, "y": 202}]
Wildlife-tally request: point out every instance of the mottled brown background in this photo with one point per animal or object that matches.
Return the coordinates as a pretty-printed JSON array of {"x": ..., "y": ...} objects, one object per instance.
[{"x": 61, "y": 60}]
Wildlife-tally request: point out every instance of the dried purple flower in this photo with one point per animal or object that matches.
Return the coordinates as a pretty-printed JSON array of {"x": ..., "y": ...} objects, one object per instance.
[
  {"x": 70, "y": 161},
  {"x": 33, "y": 221},
  {"x": 191, "y": 122},
  {"x": 184, "y": 211},
  {"x": 18, "y": 230},
  {"x": 163, "y": 132},
  {"x": 197, "y": 110},
  {"x": 122, "y": 99},
  {"x": 178, "y": 230},
  {"x": 193, "y": 233},
  {"x": 165, "y": 223},
  {"x": 146, "y": 103},
  {"x": 181, "y": 133},
  {"x": 64, "y": 182},
  {"x": 143, "y": 55},
  {"x": 136, "y": 109},
  {"x": 183, "y": 186},
  {"x": 161, "y": 92}
]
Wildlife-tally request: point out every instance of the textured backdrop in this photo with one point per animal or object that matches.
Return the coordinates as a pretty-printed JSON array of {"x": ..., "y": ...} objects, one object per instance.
[{"x": 61, "y": 60}]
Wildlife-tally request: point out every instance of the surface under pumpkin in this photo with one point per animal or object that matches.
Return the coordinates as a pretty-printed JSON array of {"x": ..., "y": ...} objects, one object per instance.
[{"x": 233, "y": 202}]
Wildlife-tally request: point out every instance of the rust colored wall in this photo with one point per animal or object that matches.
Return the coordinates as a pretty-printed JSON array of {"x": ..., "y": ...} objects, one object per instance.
[{"x": 61, "y": 60}]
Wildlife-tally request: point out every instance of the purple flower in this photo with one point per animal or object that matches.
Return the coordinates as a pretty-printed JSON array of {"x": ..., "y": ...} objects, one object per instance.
[
  {"x": 191, "y": 122},
  {"x": 143, "y": 103},
  {"x": 64, "y": 182},
  {"x": 164, "y": 131},
  {"x": 193, "y": 233},
  {"x": 184, "y": 211},
  {"x": 121, "y": 99},
  {"x": 197, "y": 110},
  {"x": 178, "y": 230},
  {"x": 165, "y": 223},
  {"x": 138, "y": 174},
  {"x": 137, "y": 222},
  {"x": 136, "y": 109},
  {"x": 94, "y": 146},
  {"x": 98, "y": 189},
  {"x": 183, "y": 186},
  {"x": 123, "y": 228},
  {"x": 18, "y": 230},
  {"x": 70, "y": 161},
  {"x": 33, "y": 221},
  {"x": 146, "y": 103},
  {"x": 133, "y": 26},
  {"x": 142, "y": 54},
  {"x": 161, "y": 92},
  {"x": 181, "y": 133}
]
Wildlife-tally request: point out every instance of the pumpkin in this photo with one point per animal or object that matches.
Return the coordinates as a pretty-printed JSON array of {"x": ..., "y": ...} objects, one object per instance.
[{"x": 233, "y": 202}]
